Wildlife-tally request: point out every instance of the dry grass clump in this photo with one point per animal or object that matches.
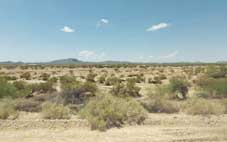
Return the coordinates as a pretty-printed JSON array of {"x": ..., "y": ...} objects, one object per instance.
[
  {"x": 215, "y": 88},
  {"x": 55, "y": 111},
  {"x": 200, "y": 106},
  {"x": 157, "y": 103},
  {"x": 26, "y": 76},
  {"x": 106, "y": 111},
  {"x": 28, "y": 105},
  {"x": 7, "y": 110}
]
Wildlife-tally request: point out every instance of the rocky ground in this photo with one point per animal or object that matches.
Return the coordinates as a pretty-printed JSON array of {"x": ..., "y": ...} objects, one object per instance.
[{"x": 29, "y": 127}]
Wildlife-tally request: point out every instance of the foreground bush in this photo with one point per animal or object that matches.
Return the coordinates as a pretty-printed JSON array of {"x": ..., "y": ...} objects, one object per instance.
[
  {"x": 55, "y": 111},
  {"x": 106, "y": 111},
  {"x": 7, "y": 110},
  {"x": 157, "y": 103},
  {"x": 201, "y": 106},
  {"x": 216, "y": 88},
  {"x": 179, "y": 85},
  {"x": 7, "y": 89}
]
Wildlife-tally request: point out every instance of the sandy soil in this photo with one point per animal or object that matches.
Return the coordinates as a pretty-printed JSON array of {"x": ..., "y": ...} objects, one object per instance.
[{"x": 157, "y": 128}]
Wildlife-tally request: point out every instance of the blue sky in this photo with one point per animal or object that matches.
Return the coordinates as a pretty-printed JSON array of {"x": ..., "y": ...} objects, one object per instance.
[{"x": 130, "y": 30}]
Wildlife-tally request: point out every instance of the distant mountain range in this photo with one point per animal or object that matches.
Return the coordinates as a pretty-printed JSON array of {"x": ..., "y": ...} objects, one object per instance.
[
  {"x": 73, "y": 61},
  {"x": 69, "y": 61}
]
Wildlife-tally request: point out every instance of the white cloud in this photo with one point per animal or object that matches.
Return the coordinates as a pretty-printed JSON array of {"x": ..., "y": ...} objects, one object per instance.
[
  {"x": 105, "y": 21},
  {"x": 171, "y": 55},
  {"x": 87, "y": 54},
  {"x": 91, "y": 55},
  {"x": 102, "y": 22},
  {"x": 158, "y": 27},
  {"x": 67, "y": 29}
]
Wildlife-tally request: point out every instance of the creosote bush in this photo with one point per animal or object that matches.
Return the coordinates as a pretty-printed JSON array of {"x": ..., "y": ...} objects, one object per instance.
[
  {"x": 79, "y": 94},
  {"x": 106, "y": 111},
  {"x": 55, "y": 111},
  {"x": 216, "y": 88},
  {"x": 200, "y": 106},
  {"x": 102, "y": 79},
  {"x": 179, "y": 85},
  {"x": 7, "y": 109},
  {"x": 112, "y": 80},
  {"x": 68, "y": 82},
  {"x": 7, "y": 89},
  {"x": 126, "y": 90},
  {"x": 26, "y": 76},
  {"x": 157, "y": 103}
]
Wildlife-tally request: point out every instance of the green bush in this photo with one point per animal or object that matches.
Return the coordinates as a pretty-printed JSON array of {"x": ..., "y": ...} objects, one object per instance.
[
  {"x": 42, "y": 87},
  {"x": 215, "y": 88},
  {"x": 197, "y": 106},
  {"x": 178, "y": 85},
  {"x": 122, "y": 90},
  {"x": 216, "y": 72},
  {"x": 78, "y": 95},
  {"x": 23, "y": 89},
  {"x": 68, "y": 82},
  {"x": 55, "y": 111},
  {"x": 7, "y": 89},
  {"x": 7, "y": 110},
  {"x": 106, "y": 111}
]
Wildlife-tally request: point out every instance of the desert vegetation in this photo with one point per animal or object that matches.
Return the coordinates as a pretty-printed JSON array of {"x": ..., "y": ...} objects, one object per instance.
[{"x": 108, "y": 96}]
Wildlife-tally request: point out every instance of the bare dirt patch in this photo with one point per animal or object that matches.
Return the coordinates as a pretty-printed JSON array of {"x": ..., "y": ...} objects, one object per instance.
[{"x": 157, "y": 128}]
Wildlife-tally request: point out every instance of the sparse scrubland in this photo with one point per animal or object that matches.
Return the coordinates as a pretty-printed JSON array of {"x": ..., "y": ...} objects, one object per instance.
[{"x": 108, "y": 96}]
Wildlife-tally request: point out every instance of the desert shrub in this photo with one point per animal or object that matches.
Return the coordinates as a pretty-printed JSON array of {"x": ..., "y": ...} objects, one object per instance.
[
  {"x": 28, "y": 105},
  {"x": 42, "y": 87},
  {"x": 128, "y": 90},
  {"x": 216, "y": 72},
  {"x": 23, "y": 89},
  {"x": 197, "y": 106},
  {"x": 91, "y": 77},
  {"x": 26, "y": 76},
  {"x": 53, "y": 80},
  {"x": 178, "y": 85},
  {"x": 55, "y": 111},
  {"x": 106, "y": 111},
  {"x": 68, "y": 82},
  {"x": 102, "y": 79},
  {"x": 162, "y": 76},
  {"x": 154, "y": 80},
  {"x": 78, "y": 95},
  {"x": 157, "y": 103},
  {"x": 44, "y": 76},
  {"x": 140, "y": 78},
  {"x": 112, "y": 80},
  {"x": 7, "y": 110},
  {"x": 215, "y": 88},
  {"x": 7, "y": 78},
  {"x": 7, "y": 89}
]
